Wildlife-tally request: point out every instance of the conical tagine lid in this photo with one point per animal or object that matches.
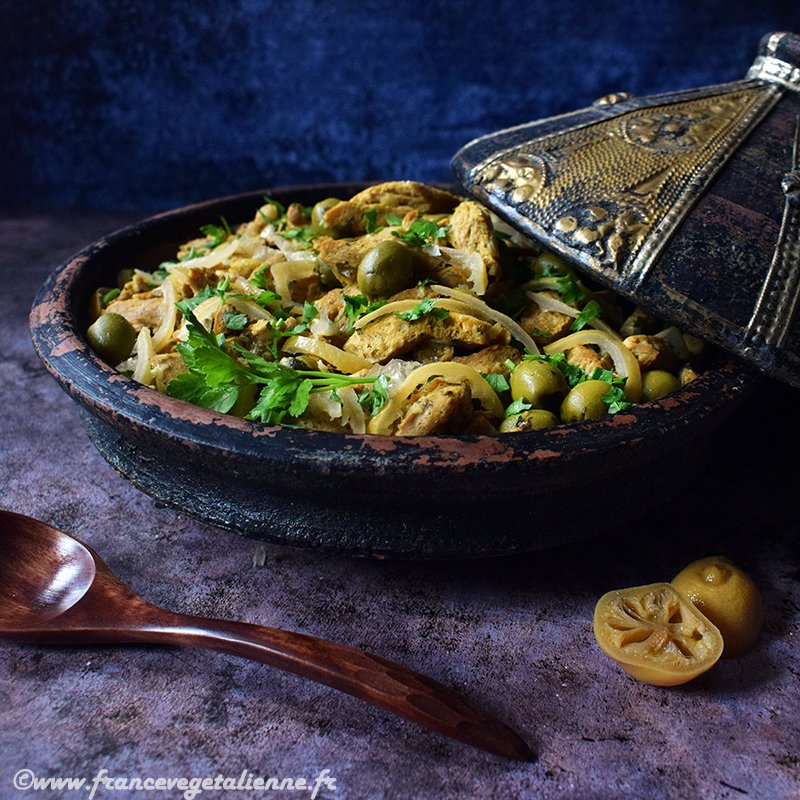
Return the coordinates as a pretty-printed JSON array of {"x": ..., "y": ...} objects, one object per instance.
[{"x": 688, "y": 203}]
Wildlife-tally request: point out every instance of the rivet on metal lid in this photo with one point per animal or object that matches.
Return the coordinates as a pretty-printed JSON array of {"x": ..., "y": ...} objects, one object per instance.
[{"x": 688, "y": 203}]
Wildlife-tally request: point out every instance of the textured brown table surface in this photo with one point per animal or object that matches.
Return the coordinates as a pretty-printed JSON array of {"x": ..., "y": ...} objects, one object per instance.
[{"x": 513, "y": 634}]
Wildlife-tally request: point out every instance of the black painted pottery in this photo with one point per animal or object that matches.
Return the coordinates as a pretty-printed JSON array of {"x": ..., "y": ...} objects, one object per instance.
[{"x": 425, "y": 497}]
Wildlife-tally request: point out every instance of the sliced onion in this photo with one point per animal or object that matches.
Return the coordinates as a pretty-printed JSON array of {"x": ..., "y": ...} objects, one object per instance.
[
  {"x": 472, "y": 262},
  {"x": 251, "y": 309},
  {"x": 204, "y": 314},
  {"x": 286, "y": 271},
  {"x": 547, "y": 303},
  {"x": 144, "y": 352},
  {"x": 513, "y": 327},
  {"x": 165, "y": 330},
  {"x": 212, "y": 259},
  {"x": 401, "y": 306},
  {"x": 337, "y": 358},
  {"x": 322, "y": 325},
  {"x": 449, "y": 370},
  {"x": 352, "y": 414},
  {"x": 625, "y": 363}
]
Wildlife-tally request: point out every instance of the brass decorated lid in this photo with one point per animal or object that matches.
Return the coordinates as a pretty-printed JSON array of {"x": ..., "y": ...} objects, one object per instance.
[{"x": 687, "y": 203}]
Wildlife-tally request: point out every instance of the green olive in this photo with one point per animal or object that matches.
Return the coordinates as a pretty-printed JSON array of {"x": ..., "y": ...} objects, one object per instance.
[
  {"x": 318, "y": 212},
  {"x": 386, "y": 269},
  {"x": 97, "y": 302},
  {"x": 112, "y": 337},
  {"x": 536, "y": 419},
  {"x": 538, "y": 383},
  {"x": 550, "y": 263},
  {"x": 123, "y": 276},
  {"x": 585, "y": 401},
  {"x": 658, "y": 382}
]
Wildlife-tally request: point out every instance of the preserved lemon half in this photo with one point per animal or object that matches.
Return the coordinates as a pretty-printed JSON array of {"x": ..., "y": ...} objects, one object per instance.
[
  {"x": 655, "y": 634},
  {"x": 728, "y": 597}
]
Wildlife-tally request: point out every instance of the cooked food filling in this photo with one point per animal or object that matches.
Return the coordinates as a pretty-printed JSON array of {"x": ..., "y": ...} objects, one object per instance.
[{"x": 403, "y": 310}]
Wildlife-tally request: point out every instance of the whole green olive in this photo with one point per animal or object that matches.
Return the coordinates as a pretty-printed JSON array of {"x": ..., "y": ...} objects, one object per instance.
[
  {"x": 385, "y": 270},
  {"x": 585, "y": 401},
  {"x": 536, "y": 419},
  {"x": 658, "y": 382},
  {"x": 318, "y": 212},
  {"x": 539, "y": 383},
  {"x": 112, "y": 337}
]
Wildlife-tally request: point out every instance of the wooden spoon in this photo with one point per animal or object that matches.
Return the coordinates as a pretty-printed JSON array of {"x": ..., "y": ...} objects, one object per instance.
[{"x": 56, "y": 590}]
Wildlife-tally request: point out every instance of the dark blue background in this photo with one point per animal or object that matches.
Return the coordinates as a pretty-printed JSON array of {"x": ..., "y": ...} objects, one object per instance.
[{"x": 152, "y": 104}]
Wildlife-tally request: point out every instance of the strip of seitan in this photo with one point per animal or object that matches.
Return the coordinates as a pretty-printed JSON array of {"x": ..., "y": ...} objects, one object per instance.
[
  {"x": 395, "y": 197},
  {"x": 437, "y": 407},
  {"x": 145, "y": 310},
  {"x": 588, "y": 359},
  {"x": 545, "y": 326},
  {"x": 471, "y": 229},
  {"x": 492, "y": 359},
  {"x": 390, "y": 336},
  {"x": 652, "y": 352}
]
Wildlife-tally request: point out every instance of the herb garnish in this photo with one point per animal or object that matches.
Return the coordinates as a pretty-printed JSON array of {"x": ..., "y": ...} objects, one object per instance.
[
  {"x": 217, "y": 233},
  {"x": 589, "y": 312},
  {"x": 218, "y": 371},
  {"x": 357, "y": 305},
  {"x": 426, "y": 306},
  {"x": 421, "y": 232}
]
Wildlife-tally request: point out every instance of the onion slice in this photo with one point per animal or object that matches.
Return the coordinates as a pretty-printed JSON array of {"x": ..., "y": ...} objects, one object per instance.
[
  {"x": 337, "y": 358},
  {"x": 547, "y": 303},
  {"x": 513, "y": 327},
  {"x": 212, "y": 259},
  {"x": 400, "y": 306},
  {"x": 170, "y": 310},
  {"x": 449, "y": 370},
  {"x": 625, "y": 363}
]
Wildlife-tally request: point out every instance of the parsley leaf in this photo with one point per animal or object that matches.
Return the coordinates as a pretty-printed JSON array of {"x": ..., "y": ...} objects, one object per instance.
[
  {"x": 497, "y": 382},
  {"x": 615, "y": 399},
  {"x": 573, "y": 373},
  {"x": 517, "y": 407},
  {"x": 217, "y": 233},
  {"x": 304, "y": 235},
  {"x": 394, "y": 220},
  {"x": 421, "y": 232},
  {"x": 569, "y": 289},
  {"x": 110, "y": 295},
  {"x": 216, "y": 376},
  {"x": 357, "y": 305},
  {"x": 371, "y": 220},
  {"x": 424, "y": 307},
  {"x": 234, "y": 321},
  {"x": 373, "y": 397},
  {"x": 590, "y": 311}
]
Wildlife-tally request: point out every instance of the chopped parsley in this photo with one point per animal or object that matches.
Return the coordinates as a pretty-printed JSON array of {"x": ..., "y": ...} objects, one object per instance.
[
  {"x": 517, "y": 407},
  {"x": 357, "y": 305},
  {"x": 373, "y": 397},
  {"x": 569, "y": 289},
  {"x": 188, "y": 304},
  {"x": 219, "y": 370},
  {"x": 304, "y": 235},
  {"x": 496, "y": 381},
  {"x": 234, "y": 321},
  {"x": 421, "y": 232},
  {"x": 394, "y": 220},
  {"x": 371, "y": 220},
  {"x": 589, "y": 312},
  {"x": 425, "y": 307},
  {"x": 217, "y": 233},
  {"x": 110, "y": 295}
]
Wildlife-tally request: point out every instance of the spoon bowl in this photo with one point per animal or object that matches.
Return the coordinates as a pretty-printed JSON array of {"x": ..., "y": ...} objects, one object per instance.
[
  {"x": 56, "y": 590},
  {"x": 43, "y": 573}
]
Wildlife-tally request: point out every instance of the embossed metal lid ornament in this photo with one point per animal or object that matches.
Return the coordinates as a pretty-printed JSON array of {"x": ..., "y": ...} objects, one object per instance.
[{"x": 687, "y": 202}]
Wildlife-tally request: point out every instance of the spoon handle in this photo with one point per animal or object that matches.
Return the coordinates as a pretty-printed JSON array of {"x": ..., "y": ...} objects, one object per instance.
[{"x": 370, "y": 678}]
